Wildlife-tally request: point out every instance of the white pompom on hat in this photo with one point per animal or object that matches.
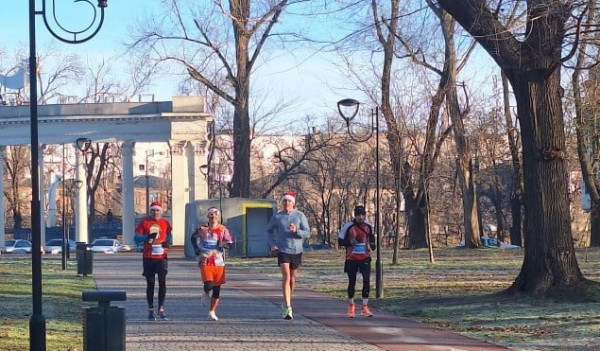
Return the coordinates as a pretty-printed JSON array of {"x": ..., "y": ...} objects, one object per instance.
[
  {"x": 156, "y": 205},
  {"x": 289, "y": 195}
]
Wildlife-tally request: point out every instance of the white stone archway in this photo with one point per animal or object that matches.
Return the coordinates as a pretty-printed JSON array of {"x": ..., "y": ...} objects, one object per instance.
[{"x": 182, "y": 123}]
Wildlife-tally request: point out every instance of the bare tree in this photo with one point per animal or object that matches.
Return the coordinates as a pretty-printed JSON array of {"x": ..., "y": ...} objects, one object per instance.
[
  {"x": 291, "y": 159},
  {"x": 97, "y": 160},
  {"x": 54, "y": 77},
  {"x": 516, "y": 196},
  {"x": 532, "y": 62},
  {"x": 101, "y": 85},
  {"x": 586, "y": 111},
  {"x": 245, "y": 26},
  {"x": 16, "y": 165}
]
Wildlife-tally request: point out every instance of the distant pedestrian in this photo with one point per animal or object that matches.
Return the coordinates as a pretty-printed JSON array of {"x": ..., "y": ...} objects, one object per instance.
[
  {"x": 286, "y": 232},
  {"x": 358, "y": 238},
  {"x": 155, "y": 234},
  {"x": 209, "y": 242},
  {"x": 109, "y": 216}
]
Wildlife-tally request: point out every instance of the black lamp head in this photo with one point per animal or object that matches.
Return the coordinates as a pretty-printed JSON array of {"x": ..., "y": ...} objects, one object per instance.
[
  {"x": 348, "y": 103},
  {"x": 83, "y": 144}
]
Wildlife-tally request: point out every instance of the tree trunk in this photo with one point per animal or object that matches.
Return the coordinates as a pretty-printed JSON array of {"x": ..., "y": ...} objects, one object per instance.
[
  {"x": 240, "y": 185},
  {"x": 550, "y": 260},
  {"x": 416, "y": 221},
  {"x": 595, "y": 226},
  {"x": 463, "y": 147},
  {"x": 17, "y": 220},
  {"x": 515, "y": 210},
  {"x": 516, "y": 202},
  {"x": 470, "y": 208}
]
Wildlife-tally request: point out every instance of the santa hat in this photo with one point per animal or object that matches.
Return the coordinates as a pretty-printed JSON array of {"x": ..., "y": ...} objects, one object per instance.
[
  {"x": 213, "y": 210},
  {"x": 156, "y": 205},
  {"x": 289, "y": 195}
]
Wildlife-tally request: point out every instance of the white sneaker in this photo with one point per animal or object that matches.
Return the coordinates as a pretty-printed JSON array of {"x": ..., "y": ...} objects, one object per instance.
[
  {"x": 204, "y": 299},
  {"x": 212, "y": 316},
  {"x": 287, "y": 313}
]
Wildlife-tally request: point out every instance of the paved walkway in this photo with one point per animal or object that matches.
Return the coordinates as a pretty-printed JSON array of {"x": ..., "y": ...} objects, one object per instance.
[{"x": 250, "y": 316}]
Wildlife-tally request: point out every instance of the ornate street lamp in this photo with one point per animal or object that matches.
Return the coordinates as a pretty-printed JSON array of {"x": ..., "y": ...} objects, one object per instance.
[
  {"x": 37, "y": 322},
  {"x": 83, "y": 144},
  {"x": 149, "y": 153},
  {"x": 206, "y": 172},
  {"x": 346, "y": 104}
]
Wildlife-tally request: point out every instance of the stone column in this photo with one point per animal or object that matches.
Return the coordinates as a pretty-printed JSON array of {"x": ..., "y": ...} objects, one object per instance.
[
  {"x": 43, "y": 214},
  {"x": 81, "y": 210},
  {"x": 198, "y": 182},
  {"x": 127, "y": 193},
  {"x": 179, "y": 190},
  {"x": 52, "y": 186}
]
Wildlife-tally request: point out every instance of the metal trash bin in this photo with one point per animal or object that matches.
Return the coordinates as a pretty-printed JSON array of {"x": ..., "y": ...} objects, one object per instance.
[
  {"x": 104, "y": 326},
  {"x": 85, "y": 258}
]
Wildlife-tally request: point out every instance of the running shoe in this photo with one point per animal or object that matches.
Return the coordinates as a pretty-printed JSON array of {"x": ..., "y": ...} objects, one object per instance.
[
  {"x": 151, "y": 315},
  {"x": 351, "y": 313},
  {"x": 212, "y": 316},
  {"x": 204, "y": 299},
  {"x": 365, "y": 311},
  {"x": 162, "y": 315},
  {"x": 287, "y": 313}
]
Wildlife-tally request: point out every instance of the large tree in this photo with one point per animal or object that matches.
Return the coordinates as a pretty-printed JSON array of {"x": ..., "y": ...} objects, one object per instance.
[
  {"x": 532, "y": 62},
  {"x": 219, "y": 44}
]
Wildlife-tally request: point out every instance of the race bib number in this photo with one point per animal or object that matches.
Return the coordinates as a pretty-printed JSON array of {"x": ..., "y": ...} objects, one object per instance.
[
  {"x": 210, "y": 245},
  {"x": 157, "y": 250},
  {"x": 360, "y": 248}
]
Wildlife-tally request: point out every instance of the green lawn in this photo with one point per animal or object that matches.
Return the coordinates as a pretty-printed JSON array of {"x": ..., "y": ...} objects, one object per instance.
[
  {"x": 462, "y": 292},
  {"x": 62, "y": 305}
]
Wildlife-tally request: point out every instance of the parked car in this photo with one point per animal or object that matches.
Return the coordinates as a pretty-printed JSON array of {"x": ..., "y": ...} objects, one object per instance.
[
  {"x": 54, "y": 246},
  {"x": 18, "y": 246},
  {"x": 110, "y": 246}
]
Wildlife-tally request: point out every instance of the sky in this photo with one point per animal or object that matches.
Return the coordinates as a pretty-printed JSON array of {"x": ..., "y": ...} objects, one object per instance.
[
  {"x": 15, "y": 22},
  {"x": 119, "y": 15},
  {"x": 312, "y": 83},
  {"x": 309, "y": 91}
]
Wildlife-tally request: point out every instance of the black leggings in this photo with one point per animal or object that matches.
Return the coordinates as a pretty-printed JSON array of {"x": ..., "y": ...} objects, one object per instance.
[
  {"x": 352, "y": 268},
  {"x": 216, "y": 290},
  {"x": 162, "y": 289}
]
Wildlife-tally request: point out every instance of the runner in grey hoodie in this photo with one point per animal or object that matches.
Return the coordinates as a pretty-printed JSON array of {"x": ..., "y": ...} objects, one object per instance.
[{"x": 286, "y": 232}]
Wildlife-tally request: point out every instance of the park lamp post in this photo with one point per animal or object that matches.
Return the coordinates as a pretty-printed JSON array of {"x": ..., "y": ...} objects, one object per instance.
[
  {"x": 149, "y": 153},
  {"x": 206, "y": 172},
  {"x": 347, "y": 104},
  {"x": 37, "y": 322},
  {"x": 83, "y": 145}
]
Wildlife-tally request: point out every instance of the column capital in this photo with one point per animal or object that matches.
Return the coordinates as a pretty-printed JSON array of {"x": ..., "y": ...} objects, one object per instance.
[{"x": 178, "y": 146}]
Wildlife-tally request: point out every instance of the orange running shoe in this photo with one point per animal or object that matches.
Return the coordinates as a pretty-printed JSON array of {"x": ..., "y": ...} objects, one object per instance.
[
  {"x": 351, "y": 313},
  {"x": 365, "y": 311}
]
